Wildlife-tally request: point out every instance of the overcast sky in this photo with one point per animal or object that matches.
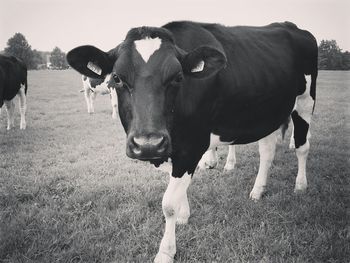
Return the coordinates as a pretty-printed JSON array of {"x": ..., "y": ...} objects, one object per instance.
[{"x": 104, "y": 23}]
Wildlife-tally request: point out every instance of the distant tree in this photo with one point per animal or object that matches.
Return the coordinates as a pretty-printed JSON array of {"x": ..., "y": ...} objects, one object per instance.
[
  {"x": 18, "y": 46},
  {"x": 38, "y": 59},
  {"x": 58, "y": 59},
  {"x": 331, "y": 57}
]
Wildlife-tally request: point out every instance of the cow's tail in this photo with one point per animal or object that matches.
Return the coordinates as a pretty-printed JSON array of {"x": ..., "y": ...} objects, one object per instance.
[
  {"x": 25, "y": 85},
  {"x": 313, "y": 88}
]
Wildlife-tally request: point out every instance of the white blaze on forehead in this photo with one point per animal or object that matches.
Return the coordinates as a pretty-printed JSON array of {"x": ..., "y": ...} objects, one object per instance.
[{"x": 147, "y": 46}]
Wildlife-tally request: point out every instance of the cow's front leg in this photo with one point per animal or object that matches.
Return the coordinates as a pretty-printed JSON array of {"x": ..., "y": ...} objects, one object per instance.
[{"x": 174, "y": 206}]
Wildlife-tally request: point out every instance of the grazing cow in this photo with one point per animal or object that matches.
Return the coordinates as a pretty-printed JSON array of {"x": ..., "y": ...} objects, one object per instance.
[
  {"x": 92, "y": 87},
  {"x": 188, "y": 87},
  {"x": 13, "y": 81}
]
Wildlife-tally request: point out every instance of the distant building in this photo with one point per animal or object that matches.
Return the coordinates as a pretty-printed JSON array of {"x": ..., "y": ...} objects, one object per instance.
[{"x": 48, "y": 63}]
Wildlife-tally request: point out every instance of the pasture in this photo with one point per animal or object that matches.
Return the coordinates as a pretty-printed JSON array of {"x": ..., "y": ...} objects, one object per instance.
[{"x": 68, "y": 193}]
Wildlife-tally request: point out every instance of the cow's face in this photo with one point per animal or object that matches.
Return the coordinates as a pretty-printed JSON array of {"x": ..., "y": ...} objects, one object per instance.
[{"x": 147, "y": 70}]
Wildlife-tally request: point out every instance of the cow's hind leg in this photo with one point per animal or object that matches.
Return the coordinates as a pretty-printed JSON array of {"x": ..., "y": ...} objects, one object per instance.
[
  {"x": 267, "y": 147},
  {"x": 173, "y": 201},
  {"x": 10, "y": 108},
  {"x": 231, "y": 158},
  {"x": 22, "y": 106},
  {"x": 301, "y": 117}
]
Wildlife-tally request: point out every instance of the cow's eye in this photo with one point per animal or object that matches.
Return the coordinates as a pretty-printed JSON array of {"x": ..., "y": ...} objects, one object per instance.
[
  {"x": 177, "y": 79},
  {"x": 117, "y": 80}
]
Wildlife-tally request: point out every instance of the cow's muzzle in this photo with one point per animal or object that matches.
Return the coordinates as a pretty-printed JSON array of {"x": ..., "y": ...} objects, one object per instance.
[{"x": 148, "y": 147}]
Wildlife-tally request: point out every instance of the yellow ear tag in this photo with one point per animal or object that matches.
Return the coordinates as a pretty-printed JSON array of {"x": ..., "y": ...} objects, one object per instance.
[{"x": 94, "y": 68}]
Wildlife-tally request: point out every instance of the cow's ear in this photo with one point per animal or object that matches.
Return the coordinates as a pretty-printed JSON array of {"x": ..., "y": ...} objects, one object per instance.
[
  {"x": 203, "y": 62},
  {"x": 90, "y": 61}
]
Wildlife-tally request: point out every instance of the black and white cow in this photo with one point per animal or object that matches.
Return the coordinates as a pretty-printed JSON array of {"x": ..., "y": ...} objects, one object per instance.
[
  {"x": 188, "y": 87},
  {"x": 92, "y": 87},
  {"x": 13, "y": 81}
]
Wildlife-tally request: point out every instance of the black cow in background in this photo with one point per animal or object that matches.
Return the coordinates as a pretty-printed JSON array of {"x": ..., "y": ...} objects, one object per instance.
[
  {"x": 188, "y": 87},
  {"x": 13, "y": 81}
]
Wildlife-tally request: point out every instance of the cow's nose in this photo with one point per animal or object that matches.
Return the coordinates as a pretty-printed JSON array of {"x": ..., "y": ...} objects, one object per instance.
[
  {"x": 148, "y": 147},
  {"x": 151, "y": 141}
]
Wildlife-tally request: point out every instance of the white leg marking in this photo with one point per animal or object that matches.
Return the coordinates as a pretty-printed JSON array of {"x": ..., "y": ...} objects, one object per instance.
[
  {"x": 92, "y": 99},
  {"x": 302, "y": 153},
  {"x": 173, "y": 202},
  {"x": 147, "y": 46},
  {"x": 304, "y": 105},
  {"x": 10, "y": 108},
  {"x": 166, "y": 167},
  {"x": 209, "y": 160},
  {"x": 267, "y": 148},
  {"x": 22, "y": 107},
  {"x": 114, "y": 102},
  {"x": 87, "y": 92},
  {"x": 231, "y": 158},
  {"x": 291, "y": 142}
]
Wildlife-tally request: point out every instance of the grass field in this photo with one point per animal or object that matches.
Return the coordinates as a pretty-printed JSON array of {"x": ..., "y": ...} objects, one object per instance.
[{"x": 68, "y": 193}]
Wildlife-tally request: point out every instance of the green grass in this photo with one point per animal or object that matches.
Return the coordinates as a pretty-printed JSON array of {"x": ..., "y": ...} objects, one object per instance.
[{"x": 68, "y": 193}]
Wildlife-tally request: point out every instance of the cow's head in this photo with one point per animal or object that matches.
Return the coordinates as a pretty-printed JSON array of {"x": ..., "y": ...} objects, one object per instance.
[{"x": 147, "y": 69}]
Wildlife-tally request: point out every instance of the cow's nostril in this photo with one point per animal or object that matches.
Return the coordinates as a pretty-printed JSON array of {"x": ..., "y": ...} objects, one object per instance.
[{"x": 151, "y": 141}]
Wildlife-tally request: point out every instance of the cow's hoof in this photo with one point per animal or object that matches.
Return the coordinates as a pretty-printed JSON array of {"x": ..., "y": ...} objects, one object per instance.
[
  {"x": 163, "y": 258},
  {"x": 182, "y": 220},
  {"x": 114, "y": 117},
  {"x": 229, "y": 167},
  {"x": 23, "y": 126},
  {"x": 257, "y": 193},
  {"x": 300, "y": 188},
  {"x": 207, "y": 165}
]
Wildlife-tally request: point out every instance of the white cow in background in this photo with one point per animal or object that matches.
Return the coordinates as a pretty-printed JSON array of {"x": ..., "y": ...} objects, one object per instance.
[{"x": 92, "y": 87}]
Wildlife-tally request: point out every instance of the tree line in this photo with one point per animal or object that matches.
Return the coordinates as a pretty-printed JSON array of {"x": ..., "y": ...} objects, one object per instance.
[
  {"x": 330, "y": 56},
  {"x": 18, "y": 46}
]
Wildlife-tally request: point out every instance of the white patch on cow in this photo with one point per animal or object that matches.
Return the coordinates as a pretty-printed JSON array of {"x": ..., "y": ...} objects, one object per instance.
[
  {"x": 209, "y": 160},
  {"x": 22, "y": 106},
  {"x": 94, "y": 68},
  {"x": 267, "y": 147},
  {"x": 10, "y": 108},
  {"x": 147, "y": 46},
  {"x": 302, "y": 153},
  {"x": 176, "y": 209},
  {"x": 215, "y": 141},
  {"x": 103, "y": 87},
  {"x": 199, "y": 67},
  {"x": 231, "y": 158},
  {"x": 166, "y": 167}
]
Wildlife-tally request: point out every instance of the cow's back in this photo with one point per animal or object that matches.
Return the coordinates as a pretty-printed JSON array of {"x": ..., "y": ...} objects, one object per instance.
[
  {"x": 13, "y": 73},
  {"x": 265, "y": 70}
]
